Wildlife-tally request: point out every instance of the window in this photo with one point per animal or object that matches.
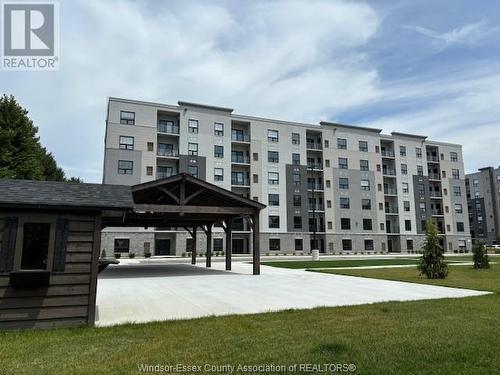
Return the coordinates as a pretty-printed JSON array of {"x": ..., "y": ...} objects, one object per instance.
[
  {"x": 365, "y": 184},
  {"x": 406, "y": 205},
  {"x": 299, "y": 244},
  {"x": 460, "y": 226},
  {"x": 122, "y": 245},
  {"x": 328, "y": 183},
  {"x": 150, "y": 146},
  {"x": 379, "y": 168},
  {"x": 343, "y": 183},
  {"x": 274, "y": 244},
  {"x": 342, "y": 143},
  {"x": 126, "y": 143},
  {"x": 218, "y": 151},
  {"x": 127, "y": 118},
  {"x": 343, "y": 163},
  {"x": 327, "y": 163},
  {"x": 35, "y": 250},
  {"x": 149, "y": 170},
  {"x": 418, "y": 152},
  {"x": 421, "y": 188},
  {"x": 345, "y": 223},
  {"x": 407, "y": 225},
  {"x": 218, "y": 129},
  {"x": 327, "y": 143},
  {"x": 218, "y": 244},
  {"x": 273, "y": 178},
  {"x": 457, "y": 192},
  {"x": 297, "y": 222},
  {"x": 382, "y": 226},
  {"x": 297, "y": 201},
  {"x": 455, "y": 173},
  {"x": 422, "y": 207},
  {"x": 443, "y": 173},
  {"x": 367, "y": 224},
  {"x": 366, "y": 204},
  {"x": 423, "y": 223},
  {"x": 346, "y": 245},
  {"x": 295, "y": 139},
  {"x": 405, "y": 187},
  {"x": 458, "y": 208},
  {"x": 420, "y": 170},
  {"x": 255, "y": 178},
  {"x": 377, "y": 149},
  {"x": 125, "y": 167},
  {"x": 363, "y": 146},
  {"x": 295, "y": 159},
  {"x": 193, "y": 170},
  {"x": 363, "y": 165},
  {"x": 344, "y": 203},
  {"x": 409, "y": 244},
  {"x": 272, "y": 135},
  {"x": 369, "y": 245},
  {"x": 296, "y": 179},
  {"x": 255, "y": 156},
  {"x": 273, "y": 156},
  {"x": 329, "y": 203},
  {"x": 404, "y": 169},
  {"x": 329, "y": 225},
  {"x": 218, "y": 174},
  {"x": 274, "y": 221},
  {"x": 189, "y": 245},
  {"x": 192, "y": 148},
  {"x": 453, "y": 156},
  {"x": 192, "y": 126},
  {"x": 402, "y": 150},
  {"x": 274, "y": 199}
]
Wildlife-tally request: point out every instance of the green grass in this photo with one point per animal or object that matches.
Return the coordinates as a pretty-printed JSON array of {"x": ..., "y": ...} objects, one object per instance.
[
  {"x": 447, "y": 336},
  {"x": 334, "y": 263}
]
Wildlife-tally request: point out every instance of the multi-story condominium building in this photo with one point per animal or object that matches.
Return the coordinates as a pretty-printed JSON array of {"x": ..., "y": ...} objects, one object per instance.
[
  {"x": 329, "y": 186},
  {"x": 483, "y": 197}
]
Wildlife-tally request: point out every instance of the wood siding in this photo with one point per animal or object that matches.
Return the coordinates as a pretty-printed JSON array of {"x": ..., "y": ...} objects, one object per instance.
[{"x": 69, "y": 299}]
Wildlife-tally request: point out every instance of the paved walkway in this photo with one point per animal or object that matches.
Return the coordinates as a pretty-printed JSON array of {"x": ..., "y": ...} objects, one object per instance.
[{"x": 149, "y": 292}]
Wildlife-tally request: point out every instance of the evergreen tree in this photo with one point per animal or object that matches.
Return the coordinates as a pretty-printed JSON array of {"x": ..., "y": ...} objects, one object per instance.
[
  {"x": 21, "y": 154},
  {"x": 480, "y": 256},
  {"x": 432, "y": 263}
]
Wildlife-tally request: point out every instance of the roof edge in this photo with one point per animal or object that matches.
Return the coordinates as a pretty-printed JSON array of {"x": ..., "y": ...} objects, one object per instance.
[
  {"x": 408, "y": 135},
  {"x": 205, "y": 106},
  {"x": 363, "y": 128}
]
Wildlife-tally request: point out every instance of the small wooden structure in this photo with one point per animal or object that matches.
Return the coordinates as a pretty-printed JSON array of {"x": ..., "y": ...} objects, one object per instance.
[{"x": 50, "y": 236}]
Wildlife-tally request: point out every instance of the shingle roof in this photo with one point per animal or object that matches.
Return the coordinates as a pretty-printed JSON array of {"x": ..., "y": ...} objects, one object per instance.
[{"x": 64, "y": 194}]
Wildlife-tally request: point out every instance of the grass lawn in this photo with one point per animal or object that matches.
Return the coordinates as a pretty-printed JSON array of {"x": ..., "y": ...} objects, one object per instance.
[
  {"x": 334, "y": 263},
  {"x": 447, "y": 336}
]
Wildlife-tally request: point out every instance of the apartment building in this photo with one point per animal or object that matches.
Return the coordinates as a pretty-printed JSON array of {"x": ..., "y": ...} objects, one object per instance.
[
  {"x": 329, "y": 186},
  {"x": 483, "y": 199}
]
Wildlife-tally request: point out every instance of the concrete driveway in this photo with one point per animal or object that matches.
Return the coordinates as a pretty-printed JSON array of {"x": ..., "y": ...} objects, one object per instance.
[{"x": 150, "y": 291}]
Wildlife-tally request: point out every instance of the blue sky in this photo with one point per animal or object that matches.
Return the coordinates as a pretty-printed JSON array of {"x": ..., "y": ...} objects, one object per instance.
[{"x": 425, "y": 67}]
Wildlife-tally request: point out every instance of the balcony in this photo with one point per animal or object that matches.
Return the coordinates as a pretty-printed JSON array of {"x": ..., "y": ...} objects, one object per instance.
[
  {"x": 317, "y": 207},
  {"x": 240, "y": 182},
  {"x": 316, "y": 187},
  {"x": 160, "y": 175},
  {"x": 388, "y": 172},
  {"x": 240, "y": 137},
  {"x": 314, "y": 146},
  {"x": 437, "y": 212},
  {"x": 168, "y": 128},
  {"x": 315, "y": 166},
  {"x": 167, "y": 152},
  {"x": 319, "y": 228},
  {"x": 434, "y": 159},
  {"x": 434, "y": 176},
  {"x": 240, "y": 159},
  {"x": 391, "y": 210},
  {"x": 387, "y": 153},
  {"x": 390, "y": 191},
  {"x": 436, "y": 195}
]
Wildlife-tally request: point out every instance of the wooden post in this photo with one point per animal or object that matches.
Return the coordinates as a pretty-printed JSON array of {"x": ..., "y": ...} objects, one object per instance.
[
  {"x": 96, "y": 250},
  {"x": 209, "y": 246},
  {"x": 193, "y": 252},
  {"x": 256, "y": 245},
  {"x": 229, "y": 243}
]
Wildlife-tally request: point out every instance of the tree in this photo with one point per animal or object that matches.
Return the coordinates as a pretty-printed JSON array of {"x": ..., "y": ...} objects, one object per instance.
[
  {"x": 432, "y": 263},
  {"x": 21, "y": 154},
  {"x": 480, "y": 256}
]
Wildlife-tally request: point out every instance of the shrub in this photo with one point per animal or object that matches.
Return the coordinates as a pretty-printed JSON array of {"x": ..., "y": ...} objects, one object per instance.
[
  {"x": 147, "y": 254},
  {"x": 432, "y": 263},
  {"x": 103, "y": 253},
  {"x": 267, "y": 254},
  {"x": 461, "y": 251},
  {"x": 480, "y": 256},
  {"x": 131, "y": 255},
  {"x": 222, "y": 253},
  {"x": 118, "y": 255},
  {"x": 183, "y": 255},
  {"x": 455, "y": 251}
]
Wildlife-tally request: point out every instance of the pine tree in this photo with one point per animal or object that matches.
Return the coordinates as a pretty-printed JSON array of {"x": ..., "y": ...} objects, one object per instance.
[
  {"x": 432, "y": 263},
  {"x": 480, "y": 256}
]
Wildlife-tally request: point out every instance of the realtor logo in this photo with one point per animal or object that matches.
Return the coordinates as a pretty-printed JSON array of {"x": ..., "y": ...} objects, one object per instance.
[{"x": 30, "y": 36}]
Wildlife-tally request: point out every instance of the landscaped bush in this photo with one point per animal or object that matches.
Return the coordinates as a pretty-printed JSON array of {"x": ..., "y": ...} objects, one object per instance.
[
  {"x": 480, "y": 256},
  {"x": 118, "y": 255},
  {"x": 147, "y": 254},
  {"x": 432, "y": 263},
  {"x": 455, "y": 251},
  {"x": 131, "y": 255},
  {"x": 183, "y": 255}
]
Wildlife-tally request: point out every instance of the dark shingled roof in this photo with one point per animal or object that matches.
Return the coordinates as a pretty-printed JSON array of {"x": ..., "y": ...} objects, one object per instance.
[{"x": 64, "y": 194}]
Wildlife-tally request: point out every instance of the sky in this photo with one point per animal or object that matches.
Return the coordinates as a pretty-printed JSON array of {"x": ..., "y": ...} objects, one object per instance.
[{"x": 415, "y": 66}]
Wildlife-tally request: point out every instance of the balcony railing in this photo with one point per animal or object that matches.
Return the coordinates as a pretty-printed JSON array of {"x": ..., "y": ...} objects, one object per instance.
[
  {"x": 314, "y": 186},
  {"x": 240, "y": 182},
  {"x": 240, "y": 137},
  {"x": 319, "y": 228},
  {"x": 436, "y": 195},
  {"x": 387, "y": 153},
  {"x": 160, "y": 175},
  {"x": 317, "y": 207},
  {"x": 242, "y": 159},
  {"x": 388, "y": 172},
  {"x": 314, "y": 166},
  {"x": 391, "y": 210},
  {"x": 390, "y": 191},
  {"x": 432, "y": 158},
  {"x": 167, "y": 152},
  {"x": 437, "y": 212},
  {"x": 167, "y": 128},
  {"x": 434, "y": 176},
  {"x": 314, "y": 145}
]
